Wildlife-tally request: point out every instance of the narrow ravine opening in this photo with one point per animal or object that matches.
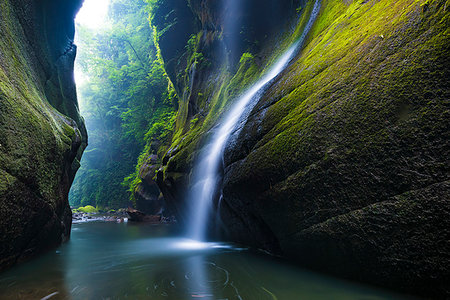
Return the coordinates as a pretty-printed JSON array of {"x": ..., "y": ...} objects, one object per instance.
[{"x": 127, "y": 105}]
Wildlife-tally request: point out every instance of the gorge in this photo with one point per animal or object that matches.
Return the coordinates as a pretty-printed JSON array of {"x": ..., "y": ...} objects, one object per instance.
[
  {"x": 205, "y": 174},
  {"x": 312, "y": 130}
]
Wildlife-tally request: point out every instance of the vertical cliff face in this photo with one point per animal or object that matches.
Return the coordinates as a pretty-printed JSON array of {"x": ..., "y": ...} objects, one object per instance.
[
  {"x": 203, "y": 39},
  {"x": 345, "y": 159},
  {"x": 202, "y": 44},
  {"x": 343, "y": 164},
  {"x": 42, "y": 135}
]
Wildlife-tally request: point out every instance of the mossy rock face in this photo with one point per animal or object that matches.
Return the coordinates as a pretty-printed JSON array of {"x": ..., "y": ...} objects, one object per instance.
[
  {"x": 400, "y": 242},
  {"x": 42, "y": 135},
  {"x": 147, "y": 193},
  {"x": 210, "y": 64},
  {"x": 201, "y": 43},
  {"x": 343, "y": 165},
  {"x": 345, "y": 158}
]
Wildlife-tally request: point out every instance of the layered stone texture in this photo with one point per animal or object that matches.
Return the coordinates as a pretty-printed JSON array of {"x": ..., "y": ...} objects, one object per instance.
[{"x": 148, "y": 195}]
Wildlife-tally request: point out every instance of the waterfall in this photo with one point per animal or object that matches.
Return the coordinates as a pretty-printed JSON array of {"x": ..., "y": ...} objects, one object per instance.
[{"x": 206, "y": 173}]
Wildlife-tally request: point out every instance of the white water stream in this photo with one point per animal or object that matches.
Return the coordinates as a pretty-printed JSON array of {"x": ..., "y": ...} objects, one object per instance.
[{"x": 206, "y": 174}]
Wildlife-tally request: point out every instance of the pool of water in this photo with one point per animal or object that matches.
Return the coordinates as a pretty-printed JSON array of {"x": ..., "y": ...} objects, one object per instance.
[{"x": 105, "y": 260}]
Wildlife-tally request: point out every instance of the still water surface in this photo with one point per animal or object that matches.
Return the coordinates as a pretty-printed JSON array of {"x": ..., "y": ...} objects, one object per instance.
[{"x": 127, "y": 261}]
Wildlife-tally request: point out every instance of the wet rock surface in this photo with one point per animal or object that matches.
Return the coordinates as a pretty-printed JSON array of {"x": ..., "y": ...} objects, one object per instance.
[
  {"x": 399, "y": 243},
  {"x": 42, "y": 135},
  {"x": 219, "y": 33},
  {"x": 141, "y": 217},
  {"x": 147, "y": 194},
  {"x": 343, "y": 164}
]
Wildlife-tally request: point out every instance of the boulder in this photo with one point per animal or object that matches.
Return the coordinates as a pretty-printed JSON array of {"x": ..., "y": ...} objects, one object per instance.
[
  {"x": 139, "y": 216},
  {"x": 147, "y": 194}
]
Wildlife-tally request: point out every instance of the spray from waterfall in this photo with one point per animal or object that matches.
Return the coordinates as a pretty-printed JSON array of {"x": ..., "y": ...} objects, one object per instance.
[{"x": 206, "y": 174}]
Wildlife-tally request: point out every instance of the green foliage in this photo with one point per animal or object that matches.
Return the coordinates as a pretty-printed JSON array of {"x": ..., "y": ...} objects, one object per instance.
[
  {"x": 193, "y": 123},
  {"x": 160, "y": 132},
  {"x": 86, "y": 209},
  {"x": 195, "y": 57},
  {"x": 245, "y": 57},
  {"x": 126, "y": 100},
  {"x": 192, "y": 43}
]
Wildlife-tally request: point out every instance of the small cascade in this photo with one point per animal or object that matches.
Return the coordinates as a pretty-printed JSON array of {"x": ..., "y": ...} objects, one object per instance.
[{"x": 206, "y": 174}]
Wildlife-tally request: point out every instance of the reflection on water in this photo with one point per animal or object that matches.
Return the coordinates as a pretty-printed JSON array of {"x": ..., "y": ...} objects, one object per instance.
[{"x": 117, "y": 261}]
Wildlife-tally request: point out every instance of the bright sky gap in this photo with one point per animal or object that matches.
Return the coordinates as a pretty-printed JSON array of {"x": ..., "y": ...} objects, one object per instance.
[{"x": 93, "y": 14}]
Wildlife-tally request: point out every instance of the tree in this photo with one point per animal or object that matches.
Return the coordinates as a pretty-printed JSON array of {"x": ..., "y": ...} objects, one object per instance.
[{"x": 125, "y": 101}]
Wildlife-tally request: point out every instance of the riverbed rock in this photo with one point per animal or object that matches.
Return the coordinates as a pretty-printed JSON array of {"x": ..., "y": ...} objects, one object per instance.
[
  {"x": 42, "y": 135},
  {"x": 139, "y": 216}
]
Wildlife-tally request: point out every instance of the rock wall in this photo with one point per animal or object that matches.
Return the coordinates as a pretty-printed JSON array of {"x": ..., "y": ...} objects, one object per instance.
[
  {"x": 343, "y": 164},
  {"x": 345, "y": 160},
  {"x": 148, "y": 196},
  {"x": 201, "y": 43},
  {"x": 42, "y": 135}
]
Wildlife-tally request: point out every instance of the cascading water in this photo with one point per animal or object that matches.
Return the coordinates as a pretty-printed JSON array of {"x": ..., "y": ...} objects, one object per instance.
[{"x": 206, "y": 173}]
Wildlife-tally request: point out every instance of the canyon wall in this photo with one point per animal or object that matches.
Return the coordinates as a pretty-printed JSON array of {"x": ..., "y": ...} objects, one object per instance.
[
  {"x": 202, "y": 44},
  {"x": 343, "y": 164},
  {"x": 42, "y": 135},
  {"x": 345, "y": 160}
]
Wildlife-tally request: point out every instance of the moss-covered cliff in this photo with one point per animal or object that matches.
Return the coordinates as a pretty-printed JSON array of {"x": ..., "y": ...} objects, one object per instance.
[
  {"x": 207, "y": 50},
  {"x": 42, "y": 135},
  {"x": 345, "y": 159},
  {"x": 343, "y": 164}
]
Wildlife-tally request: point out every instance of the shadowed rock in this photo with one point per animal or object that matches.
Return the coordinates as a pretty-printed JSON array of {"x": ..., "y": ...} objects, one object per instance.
[{"x": 42, "y": 135}]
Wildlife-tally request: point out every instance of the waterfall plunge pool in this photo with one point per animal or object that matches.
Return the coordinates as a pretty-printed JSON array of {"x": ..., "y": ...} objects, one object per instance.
[{"x": 106, "y": 260}]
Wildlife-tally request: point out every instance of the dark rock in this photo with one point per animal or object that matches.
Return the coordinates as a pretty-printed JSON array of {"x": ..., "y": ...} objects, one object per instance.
[
  {"x": 135, "y": 215},
  {"x": 42, "y": 135},
  {"x": 147, "y": 194},
  {"x": 399, "y": 243},
  {"x": 223, "y": 34},
  {"x": 138, "y": 216},
  {"x": 348, "y": 174},
  {"x": 343, "y": 164}
]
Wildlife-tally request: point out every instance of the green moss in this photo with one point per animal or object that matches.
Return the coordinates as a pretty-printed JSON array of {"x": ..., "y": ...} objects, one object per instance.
[
  {"x": 367, "y": 89},
  {"x": 217, "y": 97},
  {"x": 32, "y": 132},
  {"x": 193, "y": 122},
  {"x": 360, "y": 67},
  {"x": 69, "y": 131},
  {"x": 247, "y": 74},
  {"x": 87, "y": 209}
]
